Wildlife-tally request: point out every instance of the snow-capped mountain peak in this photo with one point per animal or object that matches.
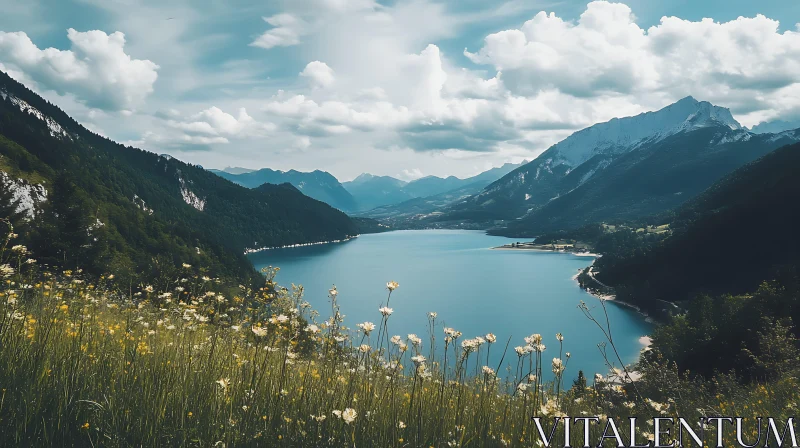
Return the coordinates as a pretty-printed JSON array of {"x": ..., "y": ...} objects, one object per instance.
[{"x": 621, "y": 135}]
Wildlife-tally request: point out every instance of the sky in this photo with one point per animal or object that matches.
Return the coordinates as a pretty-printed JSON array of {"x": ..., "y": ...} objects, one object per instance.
[{"x": 406, "y": 88}]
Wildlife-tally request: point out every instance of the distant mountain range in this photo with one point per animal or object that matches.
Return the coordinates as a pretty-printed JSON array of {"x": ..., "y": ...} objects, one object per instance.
[
  {"x": 366, "y": 191},
  {"x": 81, "y": 200},
  {"x": 319, "y": 185},
  {"x": 621, "y": 169}
]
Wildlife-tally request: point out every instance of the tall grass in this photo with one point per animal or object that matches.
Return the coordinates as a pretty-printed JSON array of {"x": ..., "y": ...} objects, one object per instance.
[{"x": 203, "y": 364}]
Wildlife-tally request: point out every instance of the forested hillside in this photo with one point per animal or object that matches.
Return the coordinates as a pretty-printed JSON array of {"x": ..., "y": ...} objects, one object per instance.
[
  {"x": 738, "y": 233},
  {"x": 93, "y": 203}
]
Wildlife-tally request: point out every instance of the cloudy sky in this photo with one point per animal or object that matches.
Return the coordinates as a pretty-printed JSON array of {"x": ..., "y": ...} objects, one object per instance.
[{"x": 398, "y": 87}]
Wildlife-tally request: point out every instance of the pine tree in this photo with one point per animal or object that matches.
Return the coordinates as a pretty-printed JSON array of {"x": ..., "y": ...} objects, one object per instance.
[{"x": 579, "y": 385}]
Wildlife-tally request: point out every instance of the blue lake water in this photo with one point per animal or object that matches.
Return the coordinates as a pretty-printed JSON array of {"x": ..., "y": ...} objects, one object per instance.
[{"x": 476, "y": 290}]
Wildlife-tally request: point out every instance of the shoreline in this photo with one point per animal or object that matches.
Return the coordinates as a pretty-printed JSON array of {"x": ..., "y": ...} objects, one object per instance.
[
  {"x": 611, "y": 297},
  {"x": 645, "y": 340},
  {"x": 541, "y": 249},
  {"x": 249, "y": 251}
]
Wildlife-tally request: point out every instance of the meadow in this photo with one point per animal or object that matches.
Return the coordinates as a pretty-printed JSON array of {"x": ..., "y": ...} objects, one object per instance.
[{"x": 196, "y": 361}]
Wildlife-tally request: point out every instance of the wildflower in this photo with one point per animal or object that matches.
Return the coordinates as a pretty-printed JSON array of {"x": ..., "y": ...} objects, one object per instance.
[
  {"x": 6, "y": 270},
  {"x": 396, "y": 339},
  {"x": 259, "y": 331},
  {"x": 224, "y": 382},
  {"x": 364, "y": 348},
  {"x": 414, "y": 339},
  {"x": 282, "y": 318},
  {"x": 469, "y": 345},
  {"x": 522, "y": 351},
  {"x": 452, "y": 333},
  {"x": 401, "y": 425},
  {"x": 558, "y": 366},
  {"x": 560, "y": 337},
  {"x": 386, "y": 311},
  {"x": 20, "y": 249},
  {"x": 313, "y": 329},
  {"x": 534, "y": 339},
  {"x": 551, "y": 409},
  {"x": 539, "y": 348},
  {"x": 488, "y": 371},
  {"x": 522, "y": 387},
  {"x": 391, "y": 286},
  {"x": 337, "y": 413},
  {"x": 568, "y": 355},
  {"x": 491, "y": 338},
  {"x": 245, "y": 408},
  {"x": 186, "y": 266},
  {"x": 30, "y": 261},
  {"x": 349, "y": 415},
  {"x": 333, "y": 292},
  {"x": 418, "y": 360},
  {"x": 85, "y": 426},
  {"x": 367, "y": 327},
  {"x": 319, "y": 418},
  {"x": 148, "y": 289},
  {"x": 598, "y": 378},
  {"x": 432, "y": 315}
]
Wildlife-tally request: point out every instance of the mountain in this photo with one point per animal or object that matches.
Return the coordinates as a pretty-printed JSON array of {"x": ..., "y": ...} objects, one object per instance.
[
  {"x": 772, "y": 127},
  {"x": 383, "y": 196},
  {"x": 87, "y": 201},
  {"x": 431, "y": 185},
  {"x": 417, "y": 211},
  {"x": 623, "y": 168},
  {"x": 373, "y": 191},
  {"x": 236, "y": 170},
  {"x": 738, "y": 233},
  {"x": 319, "y": 185},
  {"x": 652, "y": 179}
]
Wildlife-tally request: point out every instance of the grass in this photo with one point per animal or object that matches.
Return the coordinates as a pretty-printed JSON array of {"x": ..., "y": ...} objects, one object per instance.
[{"x": 200, "y": 364}]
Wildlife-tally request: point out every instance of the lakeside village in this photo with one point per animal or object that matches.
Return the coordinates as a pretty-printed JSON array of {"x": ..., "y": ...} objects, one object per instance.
[{"x": 558, "y": 246}]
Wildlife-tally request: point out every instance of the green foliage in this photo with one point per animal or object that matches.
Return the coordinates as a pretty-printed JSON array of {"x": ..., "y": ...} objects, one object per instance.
[
  {"x": 753, "y": 336},
  {"x": 121, "y": 207}
]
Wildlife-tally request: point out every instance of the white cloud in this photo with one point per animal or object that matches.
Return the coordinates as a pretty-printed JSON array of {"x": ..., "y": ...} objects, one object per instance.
[
  {"x": 96, "y": 70},
  {"x": 210, "y": 127},
  {"x": 302, "y": 142},
  {"x": 319, "y": 74},
  {"x": 410, "y": 174},
  {"x": 286, "y": 32},
  {"x": 213, "y": 122},
  {"x": 746, "y": 64}
]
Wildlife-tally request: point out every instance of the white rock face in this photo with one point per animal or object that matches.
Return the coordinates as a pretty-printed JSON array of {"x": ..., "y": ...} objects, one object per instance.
[
  {"x": 141, "y": 205},
  {"x": 55, "y": 129},
  {"x": 189, "y": 197},
  {"x": 28, "y": 195}
]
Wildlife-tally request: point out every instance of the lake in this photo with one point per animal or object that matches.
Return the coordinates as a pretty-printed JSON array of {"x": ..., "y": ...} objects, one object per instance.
[{"x": 476, "y": 290}]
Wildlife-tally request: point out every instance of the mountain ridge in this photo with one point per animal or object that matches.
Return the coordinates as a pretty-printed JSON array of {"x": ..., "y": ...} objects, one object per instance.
[
  {"x": 111, "y": 207},
  {"x": 587, "y": 154}
]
